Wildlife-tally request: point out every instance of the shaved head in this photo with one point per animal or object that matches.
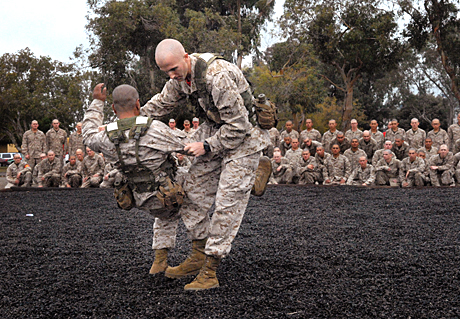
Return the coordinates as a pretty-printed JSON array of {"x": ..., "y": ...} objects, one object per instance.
[
  {"x": 124, "y": 98},
  {"x": 167, "y": 48}
]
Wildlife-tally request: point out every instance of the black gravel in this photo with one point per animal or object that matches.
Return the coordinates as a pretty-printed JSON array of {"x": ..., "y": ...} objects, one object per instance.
[{"x": 301, "y": 252}]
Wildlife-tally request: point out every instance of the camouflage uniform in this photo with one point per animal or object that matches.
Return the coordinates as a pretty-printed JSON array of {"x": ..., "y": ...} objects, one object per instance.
[
  {"x": 416, "y": 171},
  {"x": 443, "y": 176},
  {"x": 292, "y": 134},
  {"x": 224, "y": 176},
  {"x": 154, "y": 148},
  {"x": 457, "y": 168},
  {"x": 327, "y": 139},
  {"x": 368, "y": 147},
  {"x": 110, "y": 171},
  {"x": 343, "y": 146},
  {"x": 12, "y": 172},
  {"x": 439, "y": 138},
  {"x": 306, "y": 174},
  {"x": 379, "y": 139},
  {"x": 401, "y": 152},
  {"x": 33, "y": 144},
  {"x": 90, "y": 167},
  {"x": 75, "y": 143},
  {"x": 274, "y": 137},
  {"x": 337, "y": 169},
  {"x": 313, "y": 134},
  {"x": 453, "y": 132},
  {"x": 426, "y": 173},
  {"x": 356, "y": 134},
  {"x": 353, "y": 157},
  {"x": 294, "y": 156},
  {"x": 51, "y": 171},
  {"x": 57, "y": 142},
  {"x": 415, "y": 139},
  {"x": 182, "y": 169},
  {"x": 378, "y": 155},
  {"x": 383, "y": 176},
  {"x": 284, "y": 147},
  {"x": 71, "y": 174},
  {"x": 432, "y": 152},
  {"x": 359, "y": 176},
  {"x": 322, "y": 165},
  {"x": 312, "y": 147},
  {"x": 190, "y": 132},
  {"x": 390, "y": 135},
  {"x": 284, "y": 175}
]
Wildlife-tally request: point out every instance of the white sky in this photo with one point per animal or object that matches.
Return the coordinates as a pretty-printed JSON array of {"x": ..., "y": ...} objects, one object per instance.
[
  {"x": 47, "y": 27},
  {"x": 56, "y": 27}
]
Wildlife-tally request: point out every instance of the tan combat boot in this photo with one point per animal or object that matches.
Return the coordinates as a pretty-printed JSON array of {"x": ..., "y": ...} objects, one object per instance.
[
  {"x": 161, "y": 261},
  {"x": 193, "y": 263},
  {"x": 206, "y": 279},
  {"x": 263, "y": 173}
]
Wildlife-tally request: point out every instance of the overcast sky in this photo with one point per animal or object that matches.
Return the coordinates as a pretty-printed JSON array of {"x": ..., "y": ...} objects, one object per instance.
[{"x": 55, "y": 27}]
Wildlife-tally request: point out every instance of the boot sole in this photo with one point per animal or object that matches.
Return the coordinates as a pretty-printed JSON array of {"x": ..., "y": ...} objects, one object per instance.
[{"x": 195, "y": 289}]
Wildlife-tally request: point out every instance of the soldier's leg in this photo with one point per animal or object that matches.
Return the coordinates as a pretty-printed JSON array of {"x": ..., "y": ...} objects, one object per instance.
[
  {"x": 26, "y": 179},
  {"x": 201, "y": 187},
  {"x": 95, "y": 181},
  {"x": 434, "y": 178},
  {"x": 457, "y": 176},
  {"x": 75, "y": 181},
  {"x": 447, "y": 179},
  {"x": 309, "y": 178},
  {"x": 55, "y": 180},
  {"x": 86, "y": 184},
  {"x": 232, "y": 197},
  {"x": 419, "y": 180},
  {"x": 381, "y": 178}
]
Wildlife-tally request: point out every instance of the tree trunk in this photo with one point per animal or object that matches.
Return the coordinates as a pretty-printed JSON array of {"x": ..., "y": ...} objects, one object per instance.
[
  {"x": 239, "y": 59},
  {"x": 347, "y": 107},
  {"x": 435, "y": 21},
  {"x": 349, "y": 79}
]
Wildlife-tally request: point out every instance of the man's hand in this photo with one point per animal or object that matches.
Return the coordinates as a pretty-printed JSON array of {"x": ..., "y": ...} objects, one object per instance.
[
  {"x": 433, "y": 167},
  {"x": 106, "y": 177},
  {"x": 18, "y": 175},
  {"x": 85, "y": 179},
  {"x": 195, "y": 149},
  {"x": 100, "y": 92},
  {"x": 96, "y": 175},
  {"x": 407, "y": 174},
  {"x": 342, "y": 181},
  {"x": 27, "y": 156},
  {"x": 16, "y": 181}
]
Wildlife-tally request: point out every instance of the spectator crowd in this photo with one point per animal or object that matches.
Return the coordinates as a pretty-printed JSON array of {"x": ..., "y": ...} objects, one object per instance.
[{"x": 393, "y": 158}]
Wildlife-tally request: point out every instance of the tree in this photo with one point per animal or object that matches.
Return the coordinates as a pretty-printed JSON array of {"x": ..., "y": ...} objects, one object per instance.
[
  {"x": 38, "y": 89},
  {"x": 124, "y": 34},
  {"x": 355, "y": 37},
  {"x": 438, "y": 22},
  {"x": 294, "y": 87}
]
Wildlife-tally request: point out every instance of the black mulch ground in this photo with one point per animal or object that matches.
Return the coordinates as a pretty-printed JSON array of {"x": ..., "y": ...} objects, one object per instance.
[{"x": 302, "y": 252}]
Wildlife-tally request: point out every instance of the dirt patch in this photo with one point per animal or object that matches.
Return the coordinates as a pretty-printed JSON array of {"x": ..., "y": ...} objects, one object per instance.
[{"x": 302, "y": 252}]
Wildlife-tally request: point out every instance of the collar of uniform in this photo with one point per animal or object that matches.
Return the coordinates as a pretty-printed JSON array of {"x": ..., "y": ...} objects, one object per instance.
[{"x": 186, "y": 88}]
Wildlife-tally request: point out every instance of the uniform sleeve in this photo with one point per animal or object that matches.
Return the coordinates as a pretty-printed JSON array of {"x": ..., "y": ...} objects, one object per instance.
[
  {"x": 25, "y": 144},
  {"x": 371, "y": 178},
  {"x": 164, "y": 102},
  {"x": 347, "y": 168},
  {"x": 9, "y": 175},
  {"x": 233, "y": 114}
]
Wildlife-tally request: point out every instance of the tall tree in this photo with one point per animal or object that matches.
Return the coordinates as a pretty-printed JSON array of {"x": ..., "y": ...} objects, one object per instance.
[
  {"x": 355, "y": 37},
  {"x": 38, "y": 89},
  {"x": 437, "y": 21}
]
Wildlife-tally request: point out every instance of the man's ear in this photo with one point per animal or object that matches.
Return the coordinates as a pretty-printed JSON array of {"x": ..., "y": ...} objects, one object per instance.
[
  {"x": 113, "y": 108},
  {"x": 138, "y": 107}
]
